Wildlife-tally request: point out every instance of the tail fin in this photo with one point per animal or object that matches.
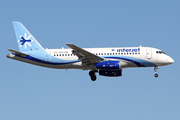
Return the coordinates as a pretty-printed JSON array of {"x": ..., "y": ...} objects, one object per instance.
[{"x": 26, "y": 42}]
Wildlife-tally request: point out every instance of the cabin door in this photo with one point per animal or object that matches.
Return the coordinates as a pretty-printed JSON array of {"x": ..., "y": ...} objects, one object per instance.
[{"x": 149, "y": 53}]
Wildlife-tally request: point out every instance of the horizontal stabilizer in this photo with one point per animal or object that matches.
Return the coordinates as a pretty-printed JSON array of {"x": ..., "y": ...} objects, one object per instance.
[{"x": 18, "y": 53}]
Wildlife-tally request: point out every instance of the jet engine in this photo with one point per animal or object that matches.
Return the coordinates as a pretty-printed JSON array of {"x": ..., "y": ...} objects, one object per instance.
[
  {"x": 111, "y": 73},
  {"x": 108, "y": 65}
]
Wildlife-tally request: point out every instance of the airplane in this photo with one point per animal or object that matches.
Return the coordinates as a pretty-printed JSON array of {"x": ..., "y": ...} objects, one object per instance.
[{"x": 105, "y": 61}]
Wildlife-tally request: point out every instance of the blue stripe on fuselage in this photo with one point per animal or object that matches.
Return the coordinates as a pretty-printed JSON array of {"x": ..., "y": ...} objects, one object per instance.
[
  {"x": 57, "y": 61},
  {"x": 47, "y": 62},
  {"x": 137, "y": 61}
]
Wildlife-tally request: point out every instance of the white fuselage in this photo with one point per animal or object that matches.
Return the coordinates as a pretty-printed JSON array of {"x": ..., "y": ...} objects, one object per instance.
[
  {"x": 128, "y": 57},
  {"x": 106, "y": 61}
]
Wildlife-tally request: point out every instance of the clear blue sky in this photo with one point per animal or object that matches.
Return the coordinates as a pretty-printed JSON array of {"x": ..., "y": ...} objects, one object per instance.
[{"x": 29, "y": 92}]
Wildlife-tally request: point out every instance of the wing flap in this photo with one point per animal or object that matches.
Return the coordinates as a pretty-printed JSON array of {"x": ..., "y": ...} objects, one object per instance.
[{"x": 85, "y": 56}]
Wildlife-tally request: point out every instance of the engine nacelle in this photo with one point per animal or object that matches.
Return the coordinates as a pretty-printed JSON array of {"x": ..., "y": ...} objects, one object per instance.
[
  {"x": 110, "y": 73},
  {"x": 109, "y": 65}
]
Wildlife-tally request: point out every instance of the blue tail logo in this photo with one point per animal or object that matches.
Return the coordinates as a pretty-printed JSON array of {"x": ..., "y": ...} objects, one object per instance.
[{"x": 25, "y": 41}]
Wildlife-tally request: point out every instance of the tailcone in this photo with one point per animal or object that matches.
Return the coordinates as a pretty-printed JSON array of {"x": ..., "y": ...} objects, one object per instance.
[{"x": 10, "y": 55}]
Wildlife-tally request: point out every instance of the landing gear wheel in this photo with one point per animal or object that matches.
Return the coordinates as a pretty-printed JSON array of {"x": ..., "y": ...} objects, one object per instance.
[
  {"x": 91, "y": 73},
  {"x": 156, "y": 75},
  {"x": 93, "y": 78},
  {"x": 155, "y": 70}
]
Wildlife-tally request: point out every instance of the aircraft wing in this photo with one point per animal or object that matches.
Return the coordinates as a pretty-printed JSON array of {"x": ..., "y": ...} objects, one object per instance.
[
  {"x": 85, "y": 56},
  {"x": 18, "y": 53}
]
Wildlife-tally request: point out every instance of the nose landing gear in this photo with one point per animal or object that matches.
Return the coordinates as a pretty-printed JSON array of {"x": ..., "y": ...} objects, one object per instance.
[
  {"x": 155, "y": 70},
  {"x": 92, "y": 75},
  {"x": 156, "y": 75}
]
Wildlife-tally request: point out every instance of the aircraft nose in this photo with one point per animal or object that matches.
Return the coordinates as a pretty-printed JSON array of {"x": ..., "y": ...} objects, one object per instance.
[{"x": 170, "y": 60}]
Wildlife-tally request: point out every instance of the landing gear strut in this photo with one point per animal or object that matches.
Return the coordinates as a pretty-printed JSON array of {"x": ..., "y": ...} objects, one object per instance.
[
  {"x": 93, "y": 76},
  {"x": 155, "y": 70}
]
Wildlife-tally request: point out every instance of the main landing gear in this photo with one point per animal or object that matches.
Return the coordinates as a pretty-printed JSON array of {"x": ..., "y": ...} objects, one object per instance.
[
  {"x": 92, "y": 75},
  {"x": 155, "y": 70}
]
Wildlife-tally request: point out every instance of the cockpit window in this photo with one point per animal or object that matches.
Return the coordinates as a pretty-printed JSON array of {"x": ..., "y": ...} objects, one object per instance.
[
  {"x": 163, "y": 52},
  {"x": 160, "y": 52}
]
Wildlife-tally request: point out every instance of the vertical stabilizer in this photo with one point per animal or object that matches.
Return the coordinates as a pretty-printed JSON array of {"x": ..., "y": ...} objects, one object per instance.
[{"x": 26, "y": 42}]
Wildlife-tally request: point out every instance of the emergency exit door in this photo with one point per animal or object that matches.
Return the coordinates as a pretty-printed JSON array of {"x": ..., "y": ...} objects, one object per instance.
[{"x": 48, "y": 56}]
